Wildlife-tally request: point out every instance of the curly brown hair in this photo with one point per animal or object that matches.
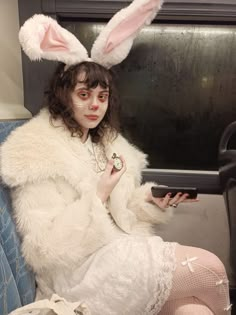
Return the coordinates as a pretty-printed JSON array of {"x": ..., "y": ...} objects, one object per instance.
[{"x": 59, "y": 102}]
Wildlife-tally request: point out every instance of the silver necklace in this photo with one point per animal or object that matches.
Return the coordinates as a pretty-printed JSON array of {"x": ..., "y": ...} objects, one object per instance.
[{"x": 100, "y": 158}]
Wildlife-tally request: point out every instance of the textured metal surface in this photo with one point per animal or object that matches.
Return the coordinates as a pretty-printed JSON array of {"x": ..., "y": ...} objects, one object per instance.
[{"x": 178, "y": 91}]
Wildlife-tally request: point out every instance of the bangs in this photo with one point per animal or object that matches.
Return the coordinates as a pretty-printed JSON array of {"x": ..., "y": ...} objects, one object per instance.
[{"x": 94, "y": 75}]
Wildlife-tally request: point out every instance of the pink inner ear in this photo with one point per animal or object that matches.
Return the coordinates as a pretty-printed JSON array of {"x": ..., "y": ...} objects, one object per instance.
[
  {"x": 53, "y": 41},
  {"x": 129, "y": 25}
]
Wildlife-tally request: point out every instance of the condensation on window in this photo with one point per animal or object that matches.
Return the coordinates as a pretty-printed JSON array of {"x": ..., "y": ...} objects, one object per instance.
[{"x": 177, "y": 90}]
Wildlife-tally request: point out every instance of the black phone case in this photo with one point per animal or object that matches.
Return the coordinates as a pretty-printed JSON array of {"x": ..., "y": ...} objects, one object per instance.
[{"x": 160, "y": 192}]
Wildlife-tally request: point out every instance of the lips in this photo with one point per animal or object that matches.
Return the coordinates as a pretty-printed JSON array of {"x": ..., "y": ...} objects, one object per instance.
[{"x": 91, "y": 117}]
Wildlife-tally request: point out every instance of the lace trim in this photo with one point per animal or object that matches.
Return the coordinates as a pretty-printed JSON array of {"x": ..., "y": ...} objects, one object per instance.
[{"x": 163, "y": 288}]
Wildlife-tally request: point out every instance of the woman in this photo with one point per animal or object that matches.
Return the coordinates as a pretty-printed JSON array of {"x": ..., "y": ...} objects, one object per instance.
[{"x": 86, "y": 226}]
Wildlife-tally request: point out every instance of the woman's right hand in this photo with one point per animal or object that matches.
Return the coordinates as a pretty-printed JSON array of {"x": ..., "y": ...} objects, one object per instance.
[{"x": 109, "y": 180}]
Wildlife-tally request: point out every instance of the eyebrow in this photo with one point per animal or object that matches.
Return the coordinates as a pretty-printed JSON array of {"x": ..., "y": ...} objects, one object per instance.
[{"x": 86, "y": 88}]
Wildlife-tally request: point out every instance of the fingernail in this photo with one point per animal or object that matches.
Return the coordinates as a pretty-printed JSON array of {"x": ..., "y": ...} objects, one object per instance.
[{"x": 169, "y": 194}]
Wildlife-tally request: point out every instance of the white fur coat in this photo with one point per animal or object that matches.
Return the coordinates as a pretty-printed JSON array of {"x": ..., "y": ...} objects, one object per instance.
[{"x": 59, "y": 216}]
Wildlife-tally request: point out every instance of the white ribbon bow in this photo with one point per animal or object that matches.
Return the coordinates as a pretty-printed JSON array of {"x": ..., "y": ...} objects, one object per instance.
[{"x": 188, "y": 262}]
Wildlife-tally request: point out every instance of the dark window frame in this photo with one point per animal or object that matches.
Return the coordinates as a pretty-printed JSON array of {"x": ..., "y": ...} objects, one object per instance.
[{"x": 206, "y": 10}]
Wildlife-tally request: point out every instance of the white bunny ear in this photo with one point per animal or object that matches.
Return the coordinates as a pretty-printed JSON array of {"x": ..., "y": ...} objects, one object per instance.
[
  {"x": 115, "y": 40},
  {"x": 42, "y": 37}
]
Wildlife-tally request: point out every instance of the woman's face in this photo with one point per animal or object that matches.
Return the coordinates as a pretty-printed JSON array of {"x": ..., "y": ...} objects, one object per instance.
[{"x": 89, "y": 105}]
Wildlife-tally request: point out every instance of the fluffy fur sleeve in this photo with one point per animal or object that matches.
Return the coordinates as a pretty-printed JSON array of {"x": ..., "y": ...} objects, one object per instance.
[
  {"x": 132, "y": 212},
  {"x": 127, "y": 201},
  {"x": 56, "y": 232},
  {"x": 147, "y": 211}
]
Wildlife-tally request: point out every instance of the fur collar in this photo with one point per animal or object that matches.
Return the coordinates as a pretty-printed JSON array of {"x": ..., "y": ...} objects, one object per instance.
[{"x": 38, "y": 150}]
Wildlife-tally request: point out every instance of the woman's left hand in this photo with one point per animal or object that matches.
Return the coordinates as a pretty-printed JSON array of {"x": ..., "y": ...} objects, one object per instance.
[{"x": 168, "y": 201}]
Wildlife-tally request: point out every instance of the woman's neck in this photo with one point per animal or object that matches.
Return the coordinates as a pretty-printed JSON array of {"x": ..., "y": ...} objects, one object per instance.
[{"x": 85, "y": 135}]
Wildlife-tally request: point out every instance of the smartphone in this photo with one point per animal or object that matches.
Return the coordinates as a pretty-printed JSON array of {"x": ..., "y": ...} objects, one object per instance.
[{"x": 161, "y": 191}]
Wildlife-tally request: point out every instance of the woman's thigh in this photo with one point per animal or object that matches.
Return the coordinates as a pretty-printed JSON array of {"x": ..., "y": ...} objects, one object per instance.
[{"x": 201, "y": 274}]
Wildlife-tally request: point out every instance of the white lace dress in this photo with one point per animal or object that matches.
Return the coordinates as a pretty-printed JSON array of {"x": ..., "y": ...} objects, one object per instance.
[{"x": 130, "y": 276}]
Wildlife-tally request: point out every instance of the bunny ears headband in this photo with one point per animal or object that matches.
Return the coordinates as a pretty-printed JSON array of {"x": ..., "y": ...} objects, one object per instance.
[{"x": 41, "y": 37}]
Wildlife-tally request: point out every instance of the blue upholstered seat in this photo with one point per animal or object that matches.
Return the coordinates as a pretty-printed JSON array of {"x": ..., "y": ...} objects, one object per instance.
[{"x": 17, "y": 283}]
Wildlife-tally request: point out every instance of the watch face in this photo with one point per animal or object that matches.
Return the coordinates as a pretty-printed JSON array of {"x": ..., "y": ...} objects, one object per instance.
[{"x": 118, "y": 163}]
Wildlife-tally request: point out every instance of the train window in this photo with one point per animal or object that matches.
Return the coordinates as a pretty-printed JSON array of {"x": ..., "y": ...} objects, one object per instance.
[{"x": 178, "y": 90}]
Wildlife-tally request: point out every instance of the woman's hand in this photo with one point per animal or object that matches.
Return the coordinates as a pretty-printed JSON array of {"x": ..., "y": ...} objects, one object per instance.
[
  {"x": 167, "y": 201},
  {"x": 109, "y": 180}
]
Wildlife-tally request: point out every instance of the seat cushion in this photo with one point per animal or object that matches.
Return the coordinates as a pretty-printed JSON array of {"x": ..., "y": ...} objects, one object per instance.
[
  {"x": 6, "y": 126},
  {"x": 17, "y": 283},
  {"x": 10, "y": 243},
  {"x": 9, "y": 295}
]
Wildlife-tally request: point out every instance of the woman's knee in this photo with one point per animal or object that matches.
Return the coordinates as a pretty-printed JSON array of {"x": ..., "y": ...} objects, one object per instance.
[
  {"x": 199, "y": 257},
  {"x": 209, "y": 261},
  {"x": 198, "y": 269},
  {"x": 201, "y": 274}
]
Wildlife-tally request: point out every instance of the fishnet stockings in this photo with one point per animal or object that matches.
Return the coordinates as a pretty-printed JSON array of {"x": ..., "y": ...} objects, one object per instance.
[{"x": 200, "y": 284}]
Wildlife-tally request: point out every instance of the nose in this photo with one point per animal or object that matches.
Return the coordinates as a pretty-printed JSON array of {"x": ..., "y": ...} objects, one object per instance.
[{"x": 94, "y": 107}]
